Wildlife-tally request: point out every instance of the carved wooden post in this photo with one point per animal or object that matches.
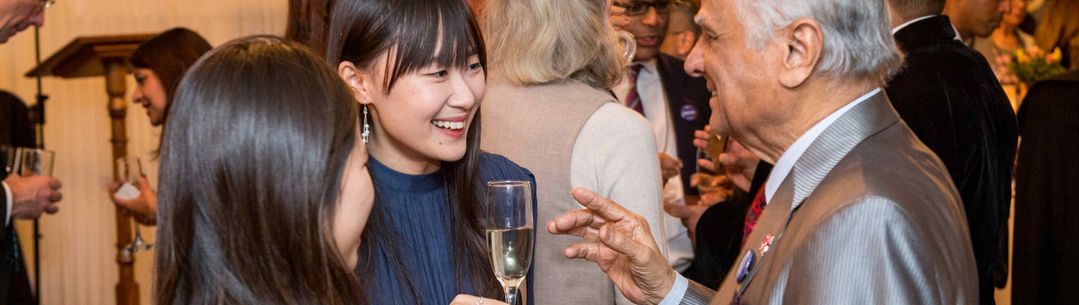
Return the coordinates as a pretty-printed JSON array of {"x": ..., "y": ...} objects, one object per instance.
[{"x": 127, "y": 290}]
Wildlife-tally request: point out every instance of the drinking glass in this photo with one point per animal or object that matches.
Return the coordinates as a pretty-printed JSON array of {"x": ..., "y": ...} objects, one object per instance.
[
  {"x": 717, "y": 144},
  {"x": 33, "y": 161},
  {"x": 129, "y": 170},
  {"x": 509, "y": 233}
]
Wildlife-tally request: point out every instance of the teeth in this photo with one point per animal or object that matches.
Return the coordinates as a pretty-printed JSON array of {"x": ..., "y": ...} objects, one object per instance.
[{"x": 449, "y": 125}]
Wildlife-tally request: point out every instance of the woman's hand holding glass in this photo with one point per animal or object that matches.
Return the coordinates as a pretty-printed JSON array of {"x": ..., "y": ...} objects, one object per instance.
[{"x": 142, "y": 207}]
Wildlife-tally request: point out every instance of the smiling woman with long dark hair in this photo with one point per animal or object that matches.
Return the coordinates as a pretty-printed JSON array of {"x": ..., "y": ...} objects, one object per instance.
[
  {"x": 418, "y": 69},
  {"x": 264, "y": 188}
]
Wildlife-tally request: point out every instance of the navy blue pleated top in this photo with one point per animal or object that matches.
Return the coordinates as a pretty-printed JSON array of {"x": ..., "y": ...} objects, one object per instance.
[{"x": 415, "y": 208}]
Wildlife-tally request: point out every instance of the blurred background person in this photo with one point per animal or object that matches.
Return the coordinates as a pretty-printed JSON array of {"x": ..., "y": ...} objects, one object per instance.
[
  {"x": 975, "y": 19},
  {"x": 675, "y": 104},
  {"x": 549, "y": 108},
  {"x": 947, "y": 94},
  {"x": 160, "y": 64},
  {"x": 274, "y": 212},
  {"x": 682, "y": 32},
  {"x": 418, "y": 69},
  {"x": 23, "y": 197},
  {"x": 15, "y": 131},
  {"x": 1006, "y": 39},
  {"x": 1059, "y": 28},
  {"x": 1046, "y": 258}
]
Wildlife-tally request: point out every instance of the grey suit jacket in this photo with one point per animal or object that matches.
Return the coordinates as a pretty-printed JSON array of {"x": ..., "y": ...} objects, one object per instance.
[{"x": 868, "y": 215}]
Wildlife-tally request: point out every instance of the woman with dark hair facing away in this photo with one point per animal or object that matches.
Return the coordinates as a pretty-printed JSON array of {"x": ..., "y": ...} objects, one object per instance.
[
  {"x": 159, "y": 65},
  {"x": 264, "y": 188},
  {"x": 417, "y": 67}
]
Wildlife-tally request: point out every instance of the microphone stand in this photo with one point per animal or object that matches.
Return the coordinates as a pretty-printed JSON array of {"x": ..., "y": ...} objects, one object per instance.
[{"x": 37, "y": 117}]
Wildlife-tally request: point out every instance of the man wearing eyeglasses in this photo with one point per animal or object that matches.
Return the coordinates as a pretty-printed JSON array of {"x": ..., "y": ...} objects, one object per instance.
[
  {"x": 20, "y": 197},
  {"x": 18, "y": 15},
  {"x": 675, "y": 103}
]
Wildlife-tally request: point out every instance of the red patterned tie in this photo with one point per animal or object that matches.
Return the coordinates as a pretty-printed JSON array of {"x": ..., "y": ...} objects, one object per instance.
[
  {"x": 754, "y": 213},
  {"x": 633, "y": 98}
]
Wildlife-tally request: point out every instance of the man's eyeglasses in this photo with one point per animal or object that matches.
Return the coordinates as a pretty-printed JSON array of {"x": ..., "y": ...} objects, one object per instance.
[{"x": 640, "y": 8}]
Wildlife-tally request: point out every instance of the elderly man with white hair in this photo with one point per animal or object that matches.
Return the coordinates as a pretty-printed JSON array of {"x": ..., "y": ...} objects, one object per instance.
[{"x": 857, "y": 209}]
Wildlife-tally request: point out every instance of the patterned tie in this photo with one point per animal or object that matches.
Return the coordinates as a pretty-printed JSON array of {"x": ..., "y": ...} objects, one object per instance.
[
  {"x": 754, "y": 213},
  {"x": 633, "y": 98}
]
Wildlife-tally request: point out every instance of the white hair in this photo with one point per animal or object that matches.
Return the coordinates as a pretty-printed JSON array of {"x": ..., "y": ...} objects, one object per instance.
[{"x": 858, "y": 42}]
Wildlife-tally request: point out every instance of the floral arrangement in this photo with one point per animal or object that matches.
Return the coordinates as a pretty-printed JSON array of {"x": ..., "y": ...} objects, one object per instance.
[{"x": 1030, "y": 65}]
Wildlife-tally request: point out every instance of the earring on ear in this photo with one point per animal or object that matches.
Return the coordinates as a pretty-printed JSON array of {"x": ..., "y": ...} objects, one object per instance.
[{"x": 366, "y": 126}]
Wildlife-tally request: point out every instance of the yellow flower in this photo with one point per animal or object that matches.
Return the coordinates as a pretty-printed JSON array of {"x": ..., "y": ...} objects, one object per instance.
[
  {"x": 1054, "y": 57},
  {"x": 1021, "y": 56}
]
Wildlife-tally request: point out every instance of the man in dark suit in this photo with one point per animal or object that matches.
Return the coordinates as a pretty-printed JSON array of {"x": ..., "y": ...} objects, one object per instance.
[
  {"x": 15, "y": 131},
  {"x": 1046, "y": 255},
  {"x": 24, "y": 197},
  {"x": 675, "y": 103},
  {"x": 856, "y": 211},
  {"x": 950, "y": 98}
]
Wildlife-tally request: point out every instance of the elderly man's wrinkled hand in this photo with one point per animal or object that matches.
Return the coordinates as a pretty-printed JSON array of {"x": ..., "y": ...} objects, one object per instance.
[{"x": 620, "y": 242}]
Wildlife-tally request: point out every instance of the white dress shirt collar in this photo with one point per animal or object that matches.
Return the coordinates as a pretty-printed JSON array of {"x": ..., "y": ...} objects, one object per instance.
[
  {"x": 786, "y": 161},
  {"x": 912, "y": 21}
]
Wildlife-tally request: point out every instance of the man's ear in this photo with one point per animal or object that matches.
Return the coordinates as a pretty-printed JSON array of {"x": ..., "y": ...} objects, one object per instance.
[
  {"x": 686, "y": 40},
  {"x": 803, "y": 43},
  {"x": 358, "y": 80}
]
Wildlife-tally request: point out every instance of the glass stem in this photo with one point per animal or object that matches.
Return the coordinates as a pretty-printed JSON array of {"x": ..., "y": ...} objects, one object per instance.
[{"x": 511, "y": 294}]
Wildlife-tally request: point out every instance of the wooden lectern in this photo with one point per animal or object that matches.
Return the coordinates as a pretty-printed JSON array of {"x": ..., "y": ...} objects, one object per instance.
[{"x": 108, "y": 56}]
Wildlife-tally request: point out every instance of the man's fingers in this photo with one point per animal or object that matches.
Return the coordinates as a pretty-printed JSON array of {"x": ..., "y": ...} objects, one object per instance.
[
  {"x": 603, "y": 207},
  {"x": 590, "y": 251},
  {"x": 55, "y": 197},
  {"x": 55, "y": 183},
  {"x": 52, "y": 209},
  {"x": 705, "y": 163},
  {"x": 677, "y": 210},
  {"x": 571, "y": 220}
]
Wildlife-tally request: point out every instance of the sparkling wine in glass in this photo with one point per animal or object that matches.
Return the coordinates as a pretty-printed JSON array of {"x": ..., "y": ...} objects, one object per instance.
[{"x": 509, "y": 233}]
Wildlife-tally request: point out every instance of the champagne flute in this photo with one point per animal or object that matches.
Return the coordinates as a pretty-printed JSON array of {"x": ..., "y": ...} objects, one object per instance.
[
  {"x": 129, "y": 170},
  {"x": 509, "y": 233}
]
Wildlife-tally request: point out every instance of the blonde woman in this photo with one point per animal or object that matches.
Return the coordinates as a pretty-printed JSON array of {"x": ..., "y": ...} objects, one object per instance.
[{"x": 548, "y": 108}]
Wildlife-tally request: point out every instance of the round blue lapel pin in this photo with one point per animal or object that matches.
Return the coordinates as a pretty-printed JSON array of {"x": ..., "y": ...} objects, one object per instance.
[
  {"x": 689, "y": 112},
  {"x": 744, "y": 265}
]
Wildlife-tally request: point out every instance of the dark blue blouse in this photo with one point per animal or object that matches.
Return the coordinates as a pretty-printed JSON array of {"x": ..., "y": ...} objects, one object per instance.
[{"x": 414, "y": 208}]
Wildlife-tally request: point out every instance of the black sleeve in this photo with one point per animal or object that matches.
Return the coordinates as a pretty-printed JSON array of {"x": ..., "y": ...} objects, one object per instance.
[{"x": 15, "y": 130}]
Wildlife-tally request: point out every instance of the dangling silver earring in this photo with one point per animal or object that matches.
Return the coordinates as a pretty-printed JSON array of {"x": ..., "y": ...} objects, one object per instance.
[{"x": 366, "y": 126}]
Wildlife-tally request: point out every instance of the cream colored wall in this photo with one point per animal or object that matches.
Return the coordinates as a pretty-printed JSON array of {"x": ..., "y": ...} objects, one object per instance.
[{"x": 77, "y": 252}]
